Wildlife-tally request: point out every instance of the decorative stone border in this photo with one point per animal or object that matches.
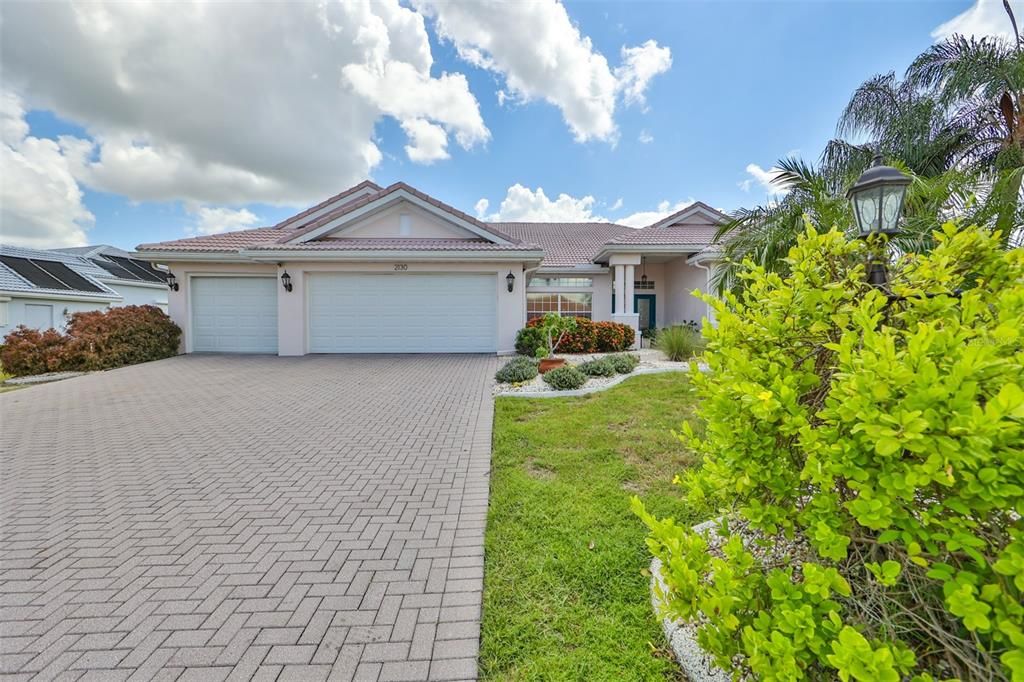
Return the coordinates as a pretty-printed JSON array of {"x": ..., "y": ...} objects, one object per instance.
[
  {"x": 42, "y": 378},
  {"x": 695, "y": 663},
  {"x": 587, "y": 390}
]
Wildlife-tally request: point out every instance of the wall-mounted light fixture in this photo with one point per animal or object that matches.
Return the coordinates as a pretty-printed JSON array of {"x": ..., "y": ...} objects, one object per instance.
[
  {"x": 510, "y": 279},
  {"x": 286, "y": 281},
  {"x": 172, "y": 281}
]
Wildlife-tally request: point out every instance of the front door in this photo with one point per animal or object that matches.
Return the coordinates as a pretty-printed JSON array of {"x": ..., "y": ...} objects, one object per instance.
[{"x": 644, "y": 306}]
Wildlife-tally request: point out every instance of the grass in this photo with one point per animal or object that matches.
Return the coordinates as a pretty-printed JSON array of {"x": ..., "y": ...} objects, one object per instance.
[
  {"x": 4, "y": 376},
  {"x": 566, "y": 586}
]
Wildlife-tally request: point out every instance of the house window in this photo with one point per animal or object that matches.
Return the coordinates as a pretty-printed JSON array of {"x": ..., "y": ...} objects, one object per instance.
[
  {"x": 574, "y": 282},
  {"x": 641, "y": 284},
  {"x": 566, "y": 305}
]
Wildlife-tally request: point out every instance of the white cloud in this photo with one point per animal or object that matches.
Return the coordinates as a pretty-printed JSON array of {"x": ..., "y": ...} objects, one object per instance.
[
  {"x": 215, "y": 220},
  {"x": 523, "y": 204},
  {"x": 227, "y": 103},
  {"x": 40, "y": 202},
  {"x": 639, "y": 65},
  {"x": 645, "y": 137},
  {"x": 765, "y": 179},
  {"x": 984, "y": 18},
  {"x": 542, "y": 55},
  {"x": 645, "y": 218}
]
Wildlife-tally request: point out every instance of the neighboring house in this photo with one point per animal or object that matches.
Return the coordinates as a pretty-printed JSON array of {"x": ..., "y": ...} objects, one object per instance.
[
  {"x": 137, "y": 281},
  {"x": 41, "y": 289},
  {"x": 392, "y": 270}
]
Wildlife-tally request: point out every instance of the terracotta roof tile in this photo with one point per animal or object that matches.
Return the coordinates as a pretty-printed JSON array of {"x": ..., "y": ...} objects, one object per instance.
[
  {"x": 676, "y": 235},
  {"x": 371, "y": 244},
  {"x": 296, "y": 220},
  {"x": 566, "y": 244},
  {"x": 227, "y": 242}
]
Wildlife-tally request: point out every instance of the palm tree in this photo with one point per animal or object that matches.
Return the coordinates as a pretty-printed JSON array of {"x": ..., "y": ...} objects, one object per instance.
[{"x": 982, "y": 82}]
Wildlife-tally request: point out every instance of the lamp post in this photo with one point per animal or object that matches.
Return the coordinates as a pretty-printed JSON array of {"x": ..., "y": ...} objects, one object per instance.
[{"x": 877, "y": 198}]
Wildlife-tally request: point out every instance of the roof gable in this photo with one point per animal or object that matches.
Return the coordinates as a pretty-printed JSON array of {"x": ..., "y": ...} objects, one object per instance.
[
  {"x": 697, "y": 213},
  {"x": 401, "y": 220},
  {"x": 354, "y": 193},
  {"x": 348, "y": 215}
]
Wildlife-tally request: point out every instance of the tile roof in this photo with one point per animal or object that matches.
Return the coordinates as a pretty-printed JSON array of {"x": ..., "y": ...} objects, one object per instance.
[
  {"x": 12, "y": 281},
  {"x": 565, "y": 244},
  {"x": 226, "y": 242},
  {"x": 377, "y": 244},
  {"x": 296, "y": 220},
  {"x": 675, "y": 235}
]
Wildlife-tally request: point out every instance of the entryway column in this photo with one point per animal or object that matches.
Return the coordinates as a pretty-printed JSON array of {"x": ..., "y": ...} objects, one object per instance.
[
  {"x": 620, "y": 290},
  {"x": 630, "y": 283}
]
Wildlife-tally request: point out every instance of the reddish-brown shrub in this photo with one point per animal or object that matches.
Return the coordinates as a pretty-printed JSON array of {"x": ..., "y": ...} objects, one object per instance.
[
  {"x": 30, "y": 351},
  {"x": 100, "y": 339},
  {"x": 594, "y": 337}
]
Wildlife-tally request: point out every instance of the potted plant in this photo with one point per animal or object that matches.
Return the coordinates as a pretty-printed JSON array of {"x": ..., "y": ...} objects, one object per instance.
[{"x": 554, "y": 329}]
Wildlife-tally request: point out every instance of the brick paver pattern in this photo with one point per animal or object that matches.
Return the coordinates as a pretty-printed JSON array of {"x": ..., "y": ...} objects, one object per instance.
[{"x": 218, "y": 517}]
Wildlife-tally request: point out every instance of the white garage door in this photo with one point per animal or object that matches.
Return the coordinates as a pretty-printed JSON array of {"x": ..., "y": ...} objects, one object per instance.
[
  {"x": 402, "y": 313},
  {"x": 234, "y": 314}
]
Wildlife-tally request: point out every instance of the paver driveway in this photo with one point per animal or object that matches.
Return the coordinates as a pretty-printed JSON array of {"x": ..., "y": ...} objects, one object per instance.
[{"x": 235, "y": 517}]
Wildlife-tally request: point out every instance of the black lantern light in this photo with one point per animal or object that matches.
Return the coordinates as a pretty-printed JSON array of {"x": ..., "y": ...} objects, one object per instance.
[
  {"x": 877, "y": 198},
  {"x": 643, "y": 277},
  {"x": 286, "y": 281},
  {"x": 510, "y": 279},
  {"x": 172, "y": 281}
]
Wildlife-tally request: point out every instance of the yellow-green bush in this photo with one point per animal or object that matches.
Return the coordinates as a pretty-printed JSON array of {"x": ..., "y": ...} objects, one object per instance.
[{"x": 884, "y": 438}]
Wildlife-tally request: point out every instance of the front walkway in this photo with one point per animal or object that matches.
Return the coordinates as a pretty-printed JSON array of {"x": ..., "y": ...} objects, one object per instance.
[{"x": 247, "y": 517}]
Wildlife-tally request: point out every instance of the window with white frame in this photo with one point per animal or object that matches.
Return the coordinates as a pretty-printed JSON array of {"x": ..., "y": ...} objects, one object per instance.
[
  {"x": 566, "y": 282},
  {"x": 644, "y": 284},
  {"x": 568, "y": 304}
]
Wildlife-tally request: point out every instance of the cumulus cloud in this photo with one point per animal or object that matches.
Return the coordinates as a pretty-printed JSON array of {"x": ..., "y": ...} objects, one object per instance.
[
  {"x": 527, "y": 205},
  {"x": 665, "y": 208},
  {"x": 645, "y": 137},
  {"x": 524, "y": 204},
  {"x": 984, "y": 18},
  {"x": 227, "y": 103},
  {"x": 214, "y": 220},
  {"x": 541, "y": 54},
  {"x": 40, "y": 202},
  {"x": 765, "y": 179}
]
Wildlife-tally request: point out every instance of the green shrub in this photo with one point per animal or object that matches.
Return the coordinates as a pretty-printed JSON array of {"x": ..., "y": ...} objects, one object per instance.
[
  {"x": 587, "y": 337},
  {"x": 866, "y": 458},
  {"x": 678, "y": 343},
  {"x": 601, "y": 367},
  {"x": 565, "y": 378},
  {"x": 624, "y": 363},
  {"x": 517, "y": 370},
  {"x": 100, "y": 339}
]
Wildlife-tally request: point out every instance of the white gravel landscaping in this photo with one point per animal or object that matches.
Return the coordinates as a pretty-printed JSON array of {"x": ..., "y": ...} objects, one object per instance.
[{"x": 651, "y": 362}]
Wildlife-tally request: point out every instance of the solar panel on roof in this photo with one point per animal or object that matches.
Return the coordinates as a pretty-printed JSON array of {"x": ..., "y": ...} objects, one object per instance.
[
  {"x": 66, "y": 275},
  {"x": 33, "y": 273},
  {"x": 149, "y": 267},
  {"x": 135, "y": 266},
  {"x": 115, "y": 269}
]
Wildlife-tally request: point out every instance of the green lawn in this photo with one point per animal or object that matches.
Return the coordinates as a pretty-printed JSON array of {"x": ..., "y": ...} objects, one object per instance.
[{"x": 565, "y": 585}]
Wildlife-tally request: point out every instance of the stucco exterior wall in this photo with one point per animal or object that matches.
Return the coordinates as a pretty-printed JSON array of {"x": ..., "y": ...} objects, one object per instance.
[
  {"x": 60, "y": 311},
  {"x": 680, "y": 305},
  {"x": 403, "y": 221},
  {"x": 141, "y": 295},
  {"x": 292, "y": 306}
]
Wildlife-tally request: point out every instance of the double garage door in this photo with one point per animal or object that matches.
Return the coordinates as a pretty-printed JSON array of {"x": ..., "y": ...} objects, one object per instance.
[{"x": 351, "y": 313}]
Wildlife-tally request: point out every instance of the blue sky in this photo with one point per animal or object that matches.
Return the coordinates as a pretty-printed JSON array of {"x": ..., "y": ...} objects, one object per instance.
[{"x": 749, "y": 82}]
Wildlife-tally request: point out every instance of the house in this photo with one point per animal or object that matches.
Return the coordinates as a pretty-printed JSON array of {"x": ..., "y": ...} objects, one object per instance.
[
  {"x": 392, "y": 270},
  {"x": 42, "y": 289},
  {"x": 135, "y": 280}
]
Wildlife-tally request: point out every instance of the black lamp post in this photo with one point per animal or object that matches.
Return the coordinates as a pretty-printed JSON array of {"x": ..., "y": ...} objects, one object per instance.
[
  {"x": 286, "y": 281},
  {"x": 172, "y": 281},
  {"x": 877, "y": 199},
  {"x": 510, "y": 279}
]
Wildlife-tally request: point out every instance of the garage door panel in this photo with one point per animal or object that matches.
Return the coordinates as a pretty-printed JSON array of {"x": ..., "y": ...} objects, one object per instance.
[
  {"x": 234, "y": 314},
  {"x": 404, "y": 313}
]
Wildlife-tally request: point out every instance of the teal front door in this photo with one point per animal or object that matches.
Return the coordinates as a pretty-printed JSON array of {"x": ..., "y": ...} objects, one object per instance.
[{"x": 644, "y": 305}]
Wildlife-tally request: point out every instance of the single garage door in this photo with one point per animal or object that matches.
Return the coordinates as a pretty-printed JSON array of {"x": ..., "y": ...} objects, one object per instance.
[
  {"x": 402, "y": 313},
  {"x": 234, "y": 314}
]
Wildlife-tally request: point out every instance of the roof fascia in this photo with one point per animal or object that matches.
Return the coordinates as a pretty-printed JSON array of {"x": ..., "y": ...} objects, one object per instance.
[{"x": 343, "y": 256}]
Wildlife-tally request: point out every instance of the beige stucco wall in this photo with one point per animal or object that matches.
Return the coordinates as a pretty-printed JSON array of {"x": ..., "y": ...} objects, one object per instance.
[
  {"x": 680, "y": 281},
  {"x": 291, "y": 311},
  {"x": 418, "y": 224}
]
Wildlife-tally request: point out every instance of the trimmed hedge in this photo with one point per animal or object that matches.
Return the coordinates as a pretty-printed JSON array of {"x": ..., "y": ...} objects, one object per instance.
[
  {"x": 101, "y": 339},
  {"x": 517, "y": 370},
  {"x": 588, "y": 337},
  {"x": 566, "y": 378}
]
